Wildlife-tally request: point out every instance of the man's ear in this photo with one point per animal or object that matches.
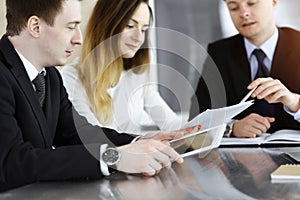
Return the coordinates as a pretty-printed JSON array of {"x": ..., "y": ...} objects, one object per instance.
[{"x": 34, "y": 26}]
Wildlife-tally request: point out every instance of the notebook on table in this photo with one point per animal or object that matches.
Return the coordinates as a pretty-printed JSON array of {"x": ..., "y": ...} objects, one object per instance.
[
  {"x": 281, "y": 137},
  {"x": 286, "y": 173}
]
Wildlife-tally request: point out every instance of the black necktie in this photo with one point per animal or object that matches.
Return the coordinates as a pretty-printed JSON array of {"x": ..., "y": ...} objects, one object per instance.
[
  {"x": 262, "y": 70},
  {"x": 262, "y": 107},
  {"x": 40, "y": 89}
]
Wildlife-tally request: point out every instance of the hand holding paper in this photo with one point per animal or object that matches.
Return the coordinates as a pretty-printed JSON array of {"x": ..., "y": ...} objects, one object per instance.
[
  {"x": 215, "y": 117},
  {"x": 212, "y": 123}
]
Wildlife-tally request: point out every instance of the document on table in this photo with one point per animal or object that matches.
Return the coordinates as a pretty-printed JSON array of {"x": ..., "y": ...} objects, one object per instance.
[
  {"x": 281, "y": 137},
  {"x": 215, "y": 117}
]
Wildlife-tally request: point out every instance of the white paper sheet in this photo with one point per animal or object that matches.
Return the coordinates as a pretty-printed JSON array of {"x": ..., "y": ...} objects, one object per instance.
[{"x": 215, "y": 117}]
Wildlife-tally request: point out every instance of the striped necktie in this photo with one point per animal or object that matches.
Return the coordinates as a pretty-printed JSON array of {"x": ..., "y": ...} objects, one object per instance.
[
  {"x": 262, "y": 107},
  {"x": 40, "y": 89},
  {"x": 262, "y": 70}
]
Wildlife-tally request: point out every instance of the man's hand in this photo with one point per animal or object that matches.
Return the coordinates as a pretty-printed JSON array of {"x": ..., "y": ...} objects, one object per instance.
[
  {"x": 147, "y": 157},
  {"x": 273, "y": 91},
  {"x": 251, "y": 126}
]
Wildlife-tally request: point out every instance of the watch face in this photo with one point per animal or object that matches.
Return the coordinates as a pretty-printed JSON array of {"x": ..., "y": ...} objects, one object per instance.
[
  {"x": 111, "y": 156},
  {"x": 227, "y": 130}
]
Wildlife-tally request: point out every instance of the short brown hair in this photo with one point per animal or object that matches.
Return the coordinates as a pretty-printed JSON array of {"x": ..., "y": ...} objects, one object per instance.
[{"x": 19, "y": 11}]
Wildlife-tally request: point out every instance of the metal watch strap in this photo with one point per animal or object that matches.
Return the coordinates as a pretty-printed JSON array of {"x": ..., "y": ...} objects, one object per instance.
[{"x": 228, "y": 129}]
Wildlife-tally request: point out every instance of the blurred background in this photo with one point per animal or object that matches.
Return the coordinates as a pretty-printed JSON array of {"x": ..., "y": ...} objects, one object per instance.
[{"x": 203, "y": 21}]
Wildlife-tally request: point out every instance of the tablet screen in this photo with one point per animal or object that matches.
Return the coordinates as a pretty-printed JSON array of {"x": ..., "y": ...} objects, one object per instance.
[{"x": 199, "y": 142}]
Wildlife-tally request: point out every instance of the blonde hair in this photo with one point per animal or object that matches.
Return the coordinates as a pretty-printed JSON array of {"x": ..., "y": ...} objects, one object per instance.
[{"x": 101, "y": 63}]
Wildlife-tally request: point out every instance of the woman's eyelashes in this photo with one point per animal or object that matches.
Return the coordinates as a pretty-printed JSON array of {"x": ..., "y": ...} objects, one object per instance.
[{"x": 143, "y": 30}]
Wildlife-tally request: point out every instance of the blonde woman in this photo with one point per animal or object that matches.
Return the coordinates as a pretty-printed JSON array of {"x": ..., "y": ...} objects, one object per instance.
[{"x": 109, "y": 83}]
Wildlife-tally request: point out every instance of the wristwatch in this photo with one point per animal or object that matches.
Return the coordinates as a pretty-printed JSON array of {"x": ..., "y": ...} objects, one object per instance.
[
  {"x": 111, "y": 156},
  {"x": 228, "y": 129}
]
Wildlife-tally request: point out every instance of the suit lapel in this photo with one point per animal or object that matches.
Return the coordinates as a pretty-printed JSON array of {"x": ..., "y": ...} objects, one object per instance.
[
  {"x": 47, "y": 101},
  {"x": 281, "y": 55},
  {"x": 240, "y": 67},
  {"x": 20, "y": 74},
  {"x": 50, "y": 103},
  {"x": 286, "y": 65}
]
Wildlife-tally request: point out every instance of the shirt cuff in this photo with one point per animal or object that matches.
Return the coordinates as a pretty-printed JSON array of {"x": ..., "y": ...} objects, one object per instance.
[
  {"x": 296, "y": 115},
  {"x": 103, "y": 165}
]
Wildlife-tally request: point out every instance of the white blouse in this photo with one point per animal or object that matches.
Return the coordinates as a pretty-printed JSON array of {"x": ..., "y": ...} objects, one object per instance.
[{"x": 135, "y": 100}]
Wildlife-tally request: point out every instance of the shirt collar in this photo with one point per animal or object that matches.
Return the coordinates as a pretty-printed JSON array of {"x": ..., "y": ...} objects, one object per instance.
[
  {"x": 29, "y": 67},
  {"x": 268, "y": 46}
]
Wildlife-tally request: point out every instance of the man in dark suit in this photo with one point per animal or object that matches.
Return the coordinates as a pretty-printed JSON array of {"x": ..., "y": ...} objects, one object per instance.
[
  {"x": 239, "y": 64},
  {"x": 38, "y": 137}
]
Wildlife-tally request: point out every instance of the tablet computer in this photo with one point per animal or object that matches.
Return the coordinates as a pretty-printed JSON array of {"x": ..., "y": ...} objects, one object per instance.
[{"x": 199, "y": 142}]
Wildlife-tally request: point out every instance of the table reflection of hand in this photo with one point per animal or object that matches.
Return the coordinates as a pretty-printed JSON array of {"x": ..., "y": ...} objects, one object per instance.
[
  {"x": 211, "y": 159},
  {"x": 161, "y": 186}
]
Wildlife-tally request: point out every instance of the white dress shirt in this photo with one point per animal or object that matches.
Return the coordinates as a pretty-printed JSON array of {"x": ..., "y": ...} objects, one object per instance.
[
  {"x": 31, "y": 70},
  {"x": 134, "y": 100}
]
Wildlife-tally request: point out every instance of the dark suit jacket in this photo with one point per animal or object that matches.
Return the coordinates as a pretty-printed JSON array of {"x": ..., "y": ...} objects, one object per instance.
[
  {"x": 229, "y": 56},
  {"x": 28, "y": 135}
]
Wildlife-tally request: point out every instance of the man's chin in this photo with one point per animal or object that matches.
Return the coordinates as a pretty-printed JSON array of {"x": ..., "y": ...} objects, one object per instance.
[
  {"x": 247, "y": 34},
  {"x": 61, "y": 62}
]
